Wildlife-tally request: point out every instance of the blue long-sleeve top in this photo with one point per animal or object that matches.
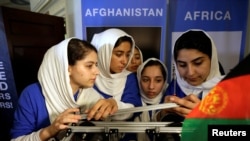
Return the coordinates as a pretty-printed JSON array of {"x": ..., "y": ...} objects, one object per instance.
[
  {"x": 31, "y": 113},
  {"x": 130, "y": 93},
  {"x": 174, "y": 89}
]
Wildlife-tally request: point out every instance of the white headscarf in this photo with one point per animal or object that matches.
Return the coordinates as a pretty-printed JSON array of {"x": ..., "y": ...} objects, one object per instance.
[
  {"x": 157, "y": 99},
  {"x": 111, "y": 84},
  {"x": 55, "y": 82},
  {"x": 141, "y": 55},
  {"x": 145, "y": 117},
  {"x": 213, "y": 78},
  {"x": 140, "y": 52}
]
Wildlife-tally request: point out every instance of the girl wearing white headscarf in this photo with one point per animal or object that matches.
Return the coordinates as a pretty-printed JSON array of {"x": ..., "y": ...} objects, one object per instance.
[
  {"x": 152, "y": 76},
  {"x": 151, "y": 81},
  {"x": 114, "y": 52},
  {"x": 65, "y": 80},
  {"x": 198, "y": 75},
  {"x": 136, "y": 60}
]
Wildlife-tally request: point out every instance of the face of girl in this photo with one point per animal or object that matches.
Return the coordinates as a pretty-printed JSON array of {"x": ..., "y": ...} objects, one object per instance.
[
  {"x": 152, "y": 81},
  {"x": 84, "y": 72},
  {"x": 120, "y": 57},
  {"x": 193, "y": 66},
  {"x": 135, "y": 61}
]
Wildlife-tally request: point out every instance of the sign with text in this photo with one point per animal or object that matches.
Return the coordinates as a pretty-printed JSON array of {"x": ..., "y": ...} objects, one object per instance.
[
  {"x": 8, "y": 95},
  {"x": 225, "y": 22},
  {"x": 143, "y": 19}
]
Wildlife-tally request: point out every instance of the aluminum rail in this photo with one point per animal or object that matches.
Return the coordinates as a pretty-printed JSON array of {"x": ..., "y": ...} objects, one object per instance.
[
  {"x": 109, "y": 129},
  {"x": 124, "y": 129},
  {"x": 116, "y": 127},
  {"x": 140, "y": 109},
  {"x": 131, "y": 123}
]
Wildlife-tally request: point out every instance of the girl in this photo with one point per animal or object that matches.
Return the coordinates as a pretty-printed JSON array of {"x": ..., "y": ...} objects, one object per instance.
[
  {"x": 65, "y": 77},
  {"x": 152, "y": 76},
  {"x": 197, "y": 71},
  {"x": 136, "y": 60},
  {"x": 114, "y": 52}
]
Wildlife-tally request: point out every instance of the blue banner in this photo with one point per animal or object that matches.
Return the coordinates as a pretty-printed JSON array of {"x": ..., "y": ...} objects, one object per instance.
[
  {"x": 8, "y": 95},
  {"x": 209, "y": 15},
  {"x": 143, "y": 19},
  {"x": 224, "y": 20}
]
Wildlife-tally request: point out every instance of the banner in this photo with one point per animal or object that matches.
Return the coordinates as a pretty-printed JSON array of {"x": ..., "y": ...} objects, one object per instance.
[
  {"x": 225, "y": 21},
  {"x": 8, "y": 95},
  {"x": 143, "y": 19}
]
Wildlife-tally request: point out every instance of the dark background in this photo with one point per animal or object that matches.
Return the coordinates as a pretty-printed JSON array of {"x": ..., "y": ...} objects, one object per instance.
[{"x": 148, "y": 39}]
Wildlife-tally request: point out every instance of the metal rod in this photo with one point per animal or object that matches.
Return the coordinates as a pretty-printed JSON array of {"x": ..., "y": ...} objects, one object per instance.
[
  {"x": 139, "y": 129},
  {"x": 131, "y": 124},
  {"x": 140, "y": 109}
]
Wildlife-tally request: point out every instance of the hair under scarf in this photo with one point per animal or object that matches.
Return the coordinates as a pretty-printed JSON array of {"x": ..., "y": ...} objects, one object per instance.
[
  {"x": 213, "y": 78},
  {"x": 141, "y": 55},
  {"x": 145, "y": 117},
  {"x": 111, "y": 84},
  {"x": 54, "y": 79},
  {"x": 145, "y": 99}
]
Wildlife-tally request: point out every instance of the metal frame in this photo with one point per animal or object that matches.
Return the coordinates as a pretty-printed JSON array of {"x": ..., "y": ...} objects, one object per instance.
[{"x": 111, "y": 130}]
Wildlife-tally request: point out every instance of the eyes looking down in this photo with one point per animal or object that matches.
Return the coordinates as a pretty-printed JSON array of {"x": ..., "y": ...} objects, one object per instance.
[
  {"x": 135, "y": 61},
  {"x": 152, "y": 81},
  {"x": 193, "y": 66},
  {"x": 82, "y": 60},
  {"x": 84, "y": 72},
  {"x": 120, "y": 54},
  {"x": 120, "y": 57}
]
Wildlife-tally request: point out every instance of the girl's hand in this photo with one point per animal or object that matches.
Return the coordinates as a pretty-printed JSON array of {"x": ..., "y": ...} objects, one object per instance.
[
  {"x": 61, "y": 122},
  {"x": 102, "y": 109},
  {"x": 187, "y": 104}
]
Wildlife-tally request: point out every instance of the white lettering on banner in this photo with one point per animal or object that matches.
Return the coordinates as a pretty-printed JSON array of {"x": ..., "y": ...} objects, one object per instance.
[
  {"x": 3, "y": 85},
  {"x": 2, "y": 75},
  {"x": 5, "y": 96},
  {"x": 207, "y": 15},
  {"x": 1, "y": 65},
  {"x": 112, "y": 12},
  {"x": 6, "y": 105}
]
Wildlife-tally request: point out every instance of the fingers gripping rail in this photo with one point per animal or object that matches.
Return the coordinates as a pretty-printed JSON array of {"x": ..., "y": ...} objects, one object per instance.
[{"x": 115, "y": 127}]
